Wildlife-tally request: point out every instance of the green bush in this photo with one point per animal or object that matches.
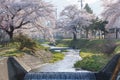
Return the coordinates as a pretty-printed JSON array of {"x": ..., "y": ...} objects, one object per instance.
[
  {"x": 81, "y": 43},
  {"x": 26, "y": 42},
  {"x": 92, "y": 63},
  {"x": 94, "y": 46}
]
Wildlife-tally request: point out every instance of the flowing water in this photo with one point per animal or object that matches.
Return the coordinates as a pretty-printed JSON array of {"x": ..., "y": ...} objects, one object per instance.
[
  {"x": 65, "y": 65},
  {"x": 118, "y": 77},
  {"x": 61, "y": 70},
  {"x": 60, "y": 76}
]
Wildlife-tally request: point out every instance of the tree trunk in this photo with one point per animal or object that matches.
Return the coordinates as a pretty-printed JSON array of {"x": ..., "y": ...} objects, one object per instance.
[
  {"x": 116, "y": 33},
  {"x": 10, "y": 34},
  {"x": 103, "y": 35},
  {"x": 86, "y": 33},
  {"x": 74, "y": 36},
  {"x": 99, "y": 34}
]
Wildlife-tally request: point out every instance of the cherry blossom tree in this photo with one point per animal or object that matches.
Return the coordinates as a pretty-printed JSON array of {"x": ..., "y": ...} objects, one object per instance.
[
  {"x": 81, "y": 22},
  {"x": 111, "y": 12},
  {"x": 14, "y": 14},
  {"x": 72, "y": 19},
  {"x": 70, "y": 12}
]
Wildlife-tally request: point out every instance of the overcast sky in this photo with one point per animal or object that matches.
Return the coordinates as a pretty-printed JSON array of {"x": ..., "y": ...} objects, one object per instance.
[{"x": 60, "y": 4}]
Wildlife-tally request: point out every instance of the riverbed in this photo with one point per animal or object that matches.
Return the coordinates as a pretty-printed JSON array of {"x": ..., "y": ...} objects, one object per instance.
[{"x": 65, "y": 65}]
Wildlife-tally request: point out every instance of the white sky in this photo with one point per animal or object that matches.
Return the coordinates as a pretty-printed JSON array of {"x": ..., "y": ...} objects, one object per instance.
[{"x": 94, "y": 4}]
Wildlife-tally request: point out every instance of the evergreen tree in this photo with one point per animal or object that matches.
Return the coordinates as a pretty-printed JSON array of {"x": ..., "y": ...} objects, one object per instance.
[{"x": 88, "y": 9}]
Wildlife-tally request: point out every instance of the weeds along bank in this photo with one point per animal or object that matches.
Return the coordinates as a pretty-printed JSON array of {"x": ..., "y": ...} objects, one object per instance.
[
  {"x": 29, "y": 51},
  {"x": 26, "y": 50},
  {"x": 95, "y": 53}
]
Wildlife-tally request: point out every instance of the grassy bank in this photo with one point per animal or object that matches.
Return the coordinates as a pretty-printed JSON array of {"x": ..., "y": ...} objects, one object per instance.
[
  {"x": 12, "y": 49},
  {"x": 30, "y": 47},
  {"x": 95, "y": 53},
  {"x": 103, "y": 46},
  {"x": 92, "y": 62},
  {"x": 63, "y": 43},
  {"x": 11, "y": 52},
  {"x": 19, "y": 46}
]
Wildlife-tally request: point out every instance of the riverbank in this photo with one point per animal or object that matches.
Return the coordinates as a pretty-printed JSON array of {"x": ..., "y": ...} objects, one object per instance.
[
  {"x": 14, "y": 68},
  {"x": 34, "y": 61},
  {"x": 95, "y": 53}
]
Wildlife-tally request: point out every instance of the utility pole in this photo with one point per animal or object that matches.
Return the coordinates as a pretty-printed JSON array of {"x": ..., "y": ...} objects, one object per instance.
[
  {"x": 56, "y": 13},
  {"x": 56, "y": 17},
  {"x": 81, "y": 3}
]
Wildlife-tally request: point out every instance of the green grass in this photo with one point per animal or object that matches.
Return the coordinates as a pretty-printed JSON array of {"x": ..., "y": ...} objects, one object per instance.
[
  {"x": 92, "y": 62},
  {"x": 63, "y": 43},
  {"x": 14, "y": 51},
  {"x": 95, "y": 46},
  {"x": 46, "y": 43},
  {"x": 80, "y": 43},
  {"x": 11, "y": 52},
  {"x": 117, "y": 41},
  {"x": 117, "y": 50},
  {"x": 56, "y": 57},
  {"x": 91, "y": 52},
  {"x": 91, "y": 45},
  {"x": 86, "y": 54},
  {"x": 12, "y": 48},
  {"x": 95, "y": 53}
]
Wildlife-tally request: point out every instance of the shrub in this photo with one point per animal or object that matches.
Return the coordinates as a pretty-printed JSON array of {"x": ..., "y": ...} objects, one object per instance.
[
  {"x": 78, "y": 43},
  {"x": 26, "y": 42},
  {"x": 109, "y": 48},
  {"x": 94, "y": 46},
  {"x": 92, "y": 63}
]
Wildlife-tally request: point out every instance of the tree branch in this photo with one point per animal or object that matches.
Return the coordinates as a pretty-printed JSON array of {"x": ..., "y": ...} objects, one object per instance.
[{"x": 22, "y": 23}]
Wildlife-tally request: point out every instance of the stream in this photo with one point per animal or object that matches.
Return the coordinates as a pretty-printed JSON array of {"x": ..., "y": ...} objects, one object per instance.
[
  {"x": 61, "y": 70},
  {"x": 65, "y": 65}
]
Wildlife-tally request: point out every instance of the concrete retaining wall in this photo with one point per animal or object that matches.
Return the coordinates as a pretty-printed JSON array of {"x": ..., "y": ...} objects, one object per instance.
[
  {"x": 15, "y": 68},
  {"x": 4, "y": 69},
  {"x": 10, "y": 69}
]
